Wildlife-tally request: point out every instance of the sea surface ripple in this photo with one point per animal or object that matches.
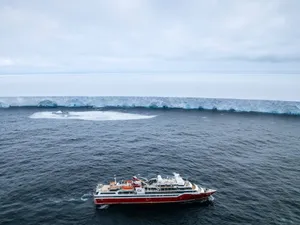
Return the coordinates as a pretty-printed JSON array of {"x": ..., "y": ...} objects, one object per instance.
[{"x": 48, "y": 166}]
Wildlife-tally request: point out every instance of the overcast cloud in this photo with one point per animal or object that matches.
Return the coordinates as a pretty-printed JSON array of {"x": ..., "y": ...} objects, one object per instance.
[
  {"x": 149, "y": 35},
  {"x": 214, "y": 48}
]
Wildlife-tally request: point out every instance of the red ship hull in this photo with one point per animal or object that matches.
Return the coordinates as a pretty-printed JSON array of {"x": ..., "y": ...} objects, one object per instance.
[{"x": 152, "y": 199}]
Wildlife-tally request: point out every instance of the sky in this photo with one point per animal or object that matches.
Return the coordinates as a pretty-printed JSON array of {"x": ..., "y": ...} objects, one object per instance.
[{"x": 144, "y": 36}]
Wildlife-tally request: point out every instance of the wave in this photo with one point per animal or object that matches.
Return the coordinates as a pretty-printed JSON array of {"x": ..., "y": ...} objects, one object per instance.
[
  {"x": 86, "y": 197},
  {"x": 58, "y": 200},
  {"x": 89, "y": 115},
  {"x": 232, "y": 105}
]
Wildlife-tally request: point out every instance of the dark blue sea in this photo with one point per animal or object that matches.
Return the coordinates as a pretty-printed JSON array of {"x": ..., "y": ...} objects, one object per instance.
[{"x": 52, "y": 158}]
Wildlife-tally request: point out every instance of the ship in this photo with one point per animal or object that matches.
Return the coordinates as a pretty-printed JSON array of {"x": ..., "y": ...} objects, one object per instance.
[{"x": 139, "y": 190}]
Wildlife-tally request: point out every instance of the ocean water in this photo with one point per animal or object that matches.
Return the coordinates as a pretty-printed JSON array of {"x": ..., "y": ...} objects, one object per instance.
[{"x": 52, "y": 158}]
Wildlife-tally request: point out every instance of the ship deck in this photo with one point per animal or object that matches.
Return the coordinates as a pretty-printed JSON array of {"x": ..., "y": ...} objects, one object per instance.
[{"x": 105, "y": 188}]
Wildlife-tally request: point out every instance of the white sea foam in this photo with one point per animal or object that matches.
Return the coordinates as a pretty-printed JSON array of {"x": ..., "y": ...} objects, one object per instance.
[
  {"x": 86, "y": 197},
  {"x": 89, "y": 115},
  {"x": 103, "y": 207},
  {"x": 211, "y": 198},
  {"x": 55, "y": 200}
]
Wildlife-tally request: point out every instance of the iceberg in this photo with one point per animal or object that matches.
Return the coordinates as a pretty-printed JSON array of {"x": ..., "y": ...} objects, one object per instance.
[
  {"x": 4, "y": 105},
  {"x": 230, "y": 105},
  {"x": 47, "y": 103}
]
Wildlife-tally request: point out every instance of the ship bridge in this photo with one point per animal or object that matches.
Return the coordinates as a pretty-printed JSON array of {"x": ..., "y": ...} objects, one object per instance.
[{"x": 175, "y": 181}]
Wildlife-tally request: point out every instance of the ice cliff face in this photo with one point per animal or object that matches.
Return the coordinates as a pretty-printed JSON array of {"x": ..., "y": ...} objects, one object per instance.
[{"x": 260, "y": 106}]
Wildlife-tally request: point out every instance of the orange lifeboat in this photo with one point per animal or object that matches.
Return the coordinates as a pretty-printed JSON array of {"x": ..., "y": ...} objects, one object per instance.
[{"x": 127, "y": 187}]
